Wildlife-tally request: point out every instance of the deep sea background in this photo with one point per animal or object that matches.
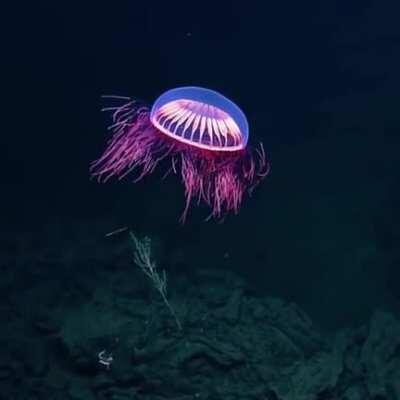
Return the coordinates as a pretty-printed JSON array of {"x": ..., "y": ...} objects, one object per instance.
[{"x": 319, "y": 82}]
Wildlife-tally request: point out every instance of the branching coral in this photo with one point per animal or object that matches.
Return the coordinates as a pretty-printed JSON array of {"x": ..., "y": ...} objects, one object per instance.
[{"x": 142, "y": 257}]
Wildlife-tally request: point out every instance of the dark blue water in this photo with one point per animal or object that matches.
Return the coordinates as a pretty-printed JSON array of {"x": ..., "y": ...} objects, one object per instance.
[{"x": 296, "y": 297}]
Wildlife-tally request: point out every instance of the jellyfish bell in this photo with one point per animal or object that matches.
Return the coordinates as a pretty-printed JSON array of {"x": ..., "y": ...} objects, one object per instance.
[
  {"x": 202, "y": 134},
  {"x": 201, "y": 118}
]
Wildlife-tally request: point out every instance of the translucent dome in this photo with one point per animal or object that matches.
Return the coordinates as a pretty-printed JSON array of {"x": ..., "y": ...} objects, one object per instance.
[{"x": 202, "y": 118}]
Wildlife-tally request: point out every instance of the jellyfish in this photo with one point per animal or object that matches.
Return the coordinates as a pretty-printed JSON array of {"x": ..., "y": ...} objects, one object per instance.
[{"x": 200, "y": 134}]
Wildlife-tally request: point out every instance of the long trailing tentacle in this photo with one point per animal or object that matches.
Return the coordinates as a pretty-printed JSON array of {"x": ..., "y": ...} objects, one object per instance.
[{"x": 135, "y": 145}]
